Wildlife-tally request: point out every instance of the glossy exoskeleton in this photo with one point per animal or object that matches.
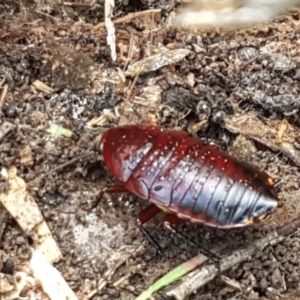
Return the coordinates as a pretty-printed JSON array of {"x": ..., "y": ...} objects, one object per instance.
[{"x": 186, "y": 177}]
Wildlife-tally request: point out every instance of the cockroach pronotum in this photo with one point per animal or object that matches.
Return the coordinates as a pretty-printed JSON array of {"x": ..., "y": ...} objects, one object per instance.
[{"x": 186, "y": 177}]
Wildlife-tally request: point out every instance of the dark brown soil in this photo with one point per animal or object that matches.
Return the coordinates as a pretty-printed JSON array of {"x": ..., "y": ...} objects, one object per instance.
[{"x": 58, "y": 45}]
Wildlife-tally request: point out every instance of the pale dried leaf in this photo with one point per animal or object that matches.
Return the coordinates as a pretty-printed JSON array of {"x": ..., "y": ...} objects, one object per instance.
[
  {"x": 50, "y": 279},
  {"x": 25, "y": 211},
  {"x": 157, "y": 61}
]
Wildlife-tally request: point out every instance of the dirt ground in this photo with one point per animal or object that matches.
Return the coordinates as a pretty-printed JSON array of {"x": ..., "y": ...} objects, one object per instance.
[{"x": 63, "y": 46}]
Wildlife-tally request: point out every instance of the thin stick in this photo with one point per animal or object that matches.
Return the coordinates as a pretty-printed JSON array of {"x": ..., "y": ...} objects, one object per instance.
[
  {"x": 129, "y": 17},
  {"x": 129, "y": 92},
  {"x": 40, "y": 176},
  {"x": 110, "y": 28},
  {"x": 69, "y": 163},
  {"x": 77, "y": 4}
]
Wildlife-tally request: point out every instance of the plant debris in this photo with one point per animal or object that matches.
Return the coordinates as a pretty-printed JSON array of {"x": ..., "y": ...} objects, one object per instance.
[
  {"x": 277, "y": 135},
  {"x": 51, "y": 281},
  {"x": 201, "y": 277},
  {"x": 21, "y": 205},
  {"x": 156, "y": 61}
]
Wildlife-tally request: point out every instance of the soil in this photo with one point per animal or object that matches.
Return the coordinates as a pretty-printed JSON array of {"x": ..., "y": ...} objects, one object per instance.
[{"x": 58, "y": 44}]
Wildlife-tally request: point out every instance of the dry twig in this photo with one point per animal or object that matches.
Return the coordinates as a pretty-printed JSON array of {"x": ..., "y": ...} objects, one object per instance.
[
  {"x": 129, "y": 17},
  {"x": 71, "y": 4},
  {"x": 130, "y": 90},
  {"x": 111, "y": 36}
]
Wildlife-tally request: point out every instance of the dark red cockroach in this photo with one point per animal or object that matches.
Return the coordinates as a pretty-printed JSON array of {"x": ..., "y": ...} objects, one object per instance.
[{"x": 186, "y": 177}]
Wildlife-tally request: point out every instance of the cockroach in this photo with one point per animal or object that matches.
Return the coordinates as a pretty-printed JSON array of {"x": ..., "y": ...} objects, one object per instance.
[{"x": 186, "y": 177}]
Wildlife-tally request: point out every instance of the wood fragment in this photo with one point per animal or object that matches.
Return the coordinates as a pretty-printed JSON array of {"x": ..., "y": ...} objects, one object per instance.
[
  {"x": 233, "y": 284},
  {"x": 107, "y": 114},
  {"x": 209, "y": 272},
  {"x": 110, "y": 36},
  {"x": 71, "y": 4},
  {"x": 43, "y": 87},
  {"x": 53, "y": 284}
]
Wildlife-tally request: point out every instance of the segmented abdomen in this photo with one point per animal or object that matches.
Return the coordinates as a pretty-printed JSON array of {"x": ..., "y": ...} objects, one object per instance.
[{"x": 186, "y": 176}]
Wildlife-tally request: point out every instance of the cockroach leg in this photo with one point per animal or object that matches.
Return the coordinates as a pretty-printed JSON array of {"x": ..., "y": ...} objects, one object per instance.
[
  {"x": 147, "y": 214},
  {"x": 171, "y": 220},
  {"x": 278, "y": 184},
  {"x": 115, "y": 189},
  {"x": 109, "y": 189}
]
